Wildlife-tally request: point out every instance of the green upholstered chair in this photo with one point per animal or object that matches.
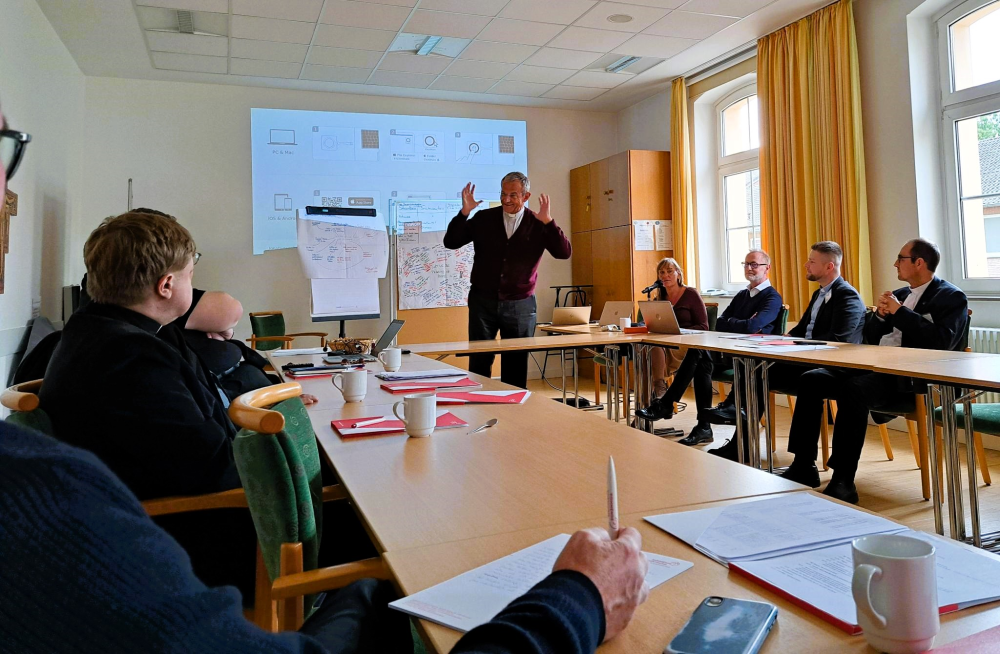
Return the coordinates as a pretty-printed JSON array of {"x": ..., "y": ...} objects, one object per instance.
[
  {"x": 269, "y": 332},
  {"x": 278, "y": 460},
  {"x": 986, "y": 420},
  {"x": 712, "y": 309},
  {"x": 22, "y": 401}
]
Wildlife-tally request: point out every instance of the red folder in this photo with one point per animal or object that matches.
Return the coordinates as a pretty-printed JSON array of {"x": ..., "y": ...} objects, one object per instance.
[
  {"x": 428, "y": 385},
  {"x": 985, "y": 642},
  {"x": 482, "y": 397},
  {"x": 390, "y": 425}
]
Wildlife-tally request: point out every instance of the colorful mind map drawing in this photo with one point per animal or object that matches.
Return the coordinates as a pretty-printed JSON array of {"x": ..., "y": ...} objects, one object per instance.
[
  {"x": 338, "y": 251},
  {"x": 431, "y": 275}
]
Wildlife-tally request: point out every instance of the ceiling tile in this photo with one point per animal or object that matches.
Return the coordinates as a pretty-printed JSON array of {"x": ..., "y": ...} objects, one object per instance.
[
  {"x": 408, "y": 80},
  {"x": 440, "y": 23},
  {"x": 198, "y": 44},
  {"x": 398, "y": 3},
  {"x": 647, "y": 45},
  {"x": 563, "y": 12},
  {"x": 268, "y": 50},
  {"x": 689, "y": 25},
  {"x": 556, "y": 58},
  {"x": 584, "y": 38},
  {"x": 663, "y": 4},
  {"x": 520, "y": 88},
  {"x": 157, "y": 18},
  {"x": 737, "y": 8},
  {"x": 353, "y": 37},
  {"x": 344, "y": 57},
  {"x": 538, "y": 74},
  {"x": 332, "y": 74},
  {"x": 410, "y": 63},
  {"x": 257, "y": 68},
  {"x": 187, "y": 62},
  {"x": 477, "y": 7},
  {"x": 270, "y": 29},
  {"x": 574, "y": 93},
  {"x": 364, "y": 14},
  {"x": 467, "y": 84},
  {"x": 520, "y": 31},
  {"x": 485, "y": 69},
  {"x": 511, "y": 53},
  {"x": 305, "y": 10},
  {"x": 642, "y": 17},
  {"x": 598, "y": 79},
  {"x": 218, "y": 6}
]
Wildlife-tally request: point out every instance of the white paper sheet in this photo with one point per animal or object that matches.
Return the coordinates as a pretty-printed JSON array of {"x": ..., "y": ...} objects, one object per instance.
[
  {"x": 777, "y": 349},
  {"x": 475, "y": 597},
  {"x": 664, "y": 232},
  {"x": 340, "y": 297},
  {"x": 423, "y": 374},
  {"x": 429, "y": 274},
  {"x": 343, "y": 247},
  {"x": 295, "y": 352},
  {"x": 644, "y": 240}
]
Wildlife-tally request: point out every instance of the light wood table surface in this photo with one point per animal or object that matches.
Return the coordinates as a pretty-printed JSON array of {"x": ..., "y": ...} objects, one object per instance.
[
  {"x": 669, "y": 606},
  {"x": 528, "y": 344},
  {"x": 974, "y": 370}
]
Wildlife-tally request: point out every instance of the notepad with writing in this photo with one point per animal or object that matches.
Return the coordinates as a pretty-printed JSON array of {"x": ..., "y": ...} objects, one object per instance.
[
  {"x": 482, "y": 397},
  {"x": 430, "y": 385},
  {"x": 390, "y": 424},
  {"x": 475, "y": 597}
]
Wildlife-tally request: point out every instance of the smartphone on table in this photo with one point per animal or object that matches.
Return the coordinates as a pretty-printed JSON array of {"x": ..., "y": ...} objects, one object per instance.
[{"x": 721, "y": 625}]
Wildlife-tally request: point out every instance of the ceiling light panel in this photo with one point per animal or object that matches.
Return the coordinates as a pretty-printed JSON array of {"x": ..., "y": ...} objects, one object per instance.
[
  {"x": 563, "y": 12},
  {"x": 466, "y": 84},
  {"x": 647, "y": 45},
  {"x": 440, "y": 23},
  {"x": 331, "y": 74},
  {"x": 477, "y": 7},
  {"x": 558, "y": 58},
  {"x": 574, "y": 93},
  {"x": 410, "y": 63},
  {"x": 585, "y": 38},
  {"x": 538, "y": 74},
  {"x": 217, "y": 6},
  {"x": 526, "y": 89},
  {"x": 520, "y": 31},
  {"x": 189, "y": 63},
  {"x": 446, "y": 46},
  {"x": 199, "y": 44},
  {"x": 347, "y": 57},
  {"x": 270, "y": 29},
  {"x": 511, "y": 53},
  {"x": 736, "y": 8},
  {"x": 257, "y": 68},
  {"x": 267, "y": 50},
  {"x": 597, "y": 79},
  {"x": 484, "y": 69},
  {"x": 641, "y": 17},
  {"x": 353, "y": 37},
  {"x": 157, "y": 18},
  {"x": 364, "y": 14},
  {"x": 304, "y": 10},
  {"x": 689, "y": 25},
  {"x": 408, "y": 80}
]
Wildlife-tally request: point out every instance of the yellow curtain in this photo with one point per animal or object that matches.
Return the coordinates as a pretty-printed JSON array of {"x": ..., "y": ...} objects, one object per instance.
[
  {"x": 681, "y": 196},
  {"x": 812, "y": 166}
]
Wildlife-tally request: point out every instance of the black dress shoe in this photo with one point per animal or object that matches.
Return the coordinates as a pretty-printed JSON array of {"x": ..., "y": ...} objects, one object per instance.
[
  {"x": 843, "y": 490},
  {"x": 727, "y": 451},
  {"x": 721, "y": 414},
  {"x": 700, "y": 434},
  {"x": 805, "y": 474},
  {"x": 658, "y": 409}
]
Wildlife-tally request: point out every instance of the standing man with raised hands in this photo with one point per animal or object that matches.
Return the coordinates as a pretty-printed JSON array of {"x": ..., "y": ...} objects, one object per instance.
[{"x": 509, "y": 242}]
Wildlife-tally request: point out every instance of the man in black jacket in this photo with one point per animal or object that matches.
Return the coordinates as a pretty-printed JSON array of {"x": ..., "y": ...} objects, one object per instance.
[
  {"x": 835, "y": 313},
  {"x": 927, "y": 313}
]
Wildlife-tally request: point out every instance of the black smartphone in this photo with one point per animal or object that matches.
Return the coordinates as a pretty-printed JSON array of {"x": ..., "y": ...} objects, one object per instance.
[
  {"x": 809, "y": 342},
  {"x": 721, "y": 625}
]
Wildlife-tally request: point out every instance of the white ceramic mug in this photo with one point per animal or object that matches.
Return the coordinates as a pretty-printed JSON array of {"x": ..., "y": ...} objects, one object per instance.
[
  {"x": 625, "y": 322},
  {"x": 419, "y": 413},
  {"x": 353, "y": 384},
  {"x": 895, "y": 590},
  {"x": 391, "y": 358}
]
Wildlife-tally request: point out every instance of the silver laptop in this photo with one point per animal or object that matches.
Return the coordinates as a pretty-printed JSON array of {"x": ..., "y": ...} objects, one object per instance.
[
  {"x": 614, "y": 311},
  {"x": 570, "y": 316},
  {"x": 661, "y": 319}
]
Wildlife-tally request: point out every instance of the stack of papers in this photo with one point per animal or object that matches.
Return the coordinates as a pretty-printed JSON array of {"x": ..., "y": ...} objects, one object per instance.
[
  {"x": 298, "y": 352},
  {"x": 482, "y": 397},
  {"x": 430, "y": 385},
  {"x": 421, "y": 374},
  {"x": 390, "y": 424},
  {"x": 799, "y": 546},
  {"x": 477, "y": 596}
]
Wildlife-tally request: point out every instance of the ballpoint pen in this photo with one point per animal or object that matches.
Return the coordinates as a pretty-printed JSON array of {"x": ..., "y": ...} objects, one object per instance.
[
  {"x": 366, "y": 423},
  {"x": 612, "y": 499}
]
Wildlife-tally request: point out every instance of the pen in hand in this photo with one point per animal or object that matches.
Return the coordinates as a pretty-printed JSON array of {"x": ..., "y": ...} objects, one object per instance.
[{"x": 612, "y": 500}]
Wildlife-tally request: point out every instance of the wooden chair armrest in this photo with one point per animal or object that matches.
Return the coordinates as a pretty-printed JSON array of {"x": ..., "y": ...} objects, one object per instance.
[
  {"x": 320, "y": 334},
  {"x": 334, "y": 493},
  {"x": 283, "y": 339},
  {"x": 18, "y": 401},
  {"x": 230, "y": 499},
  {"x": 337, "y": 576}
]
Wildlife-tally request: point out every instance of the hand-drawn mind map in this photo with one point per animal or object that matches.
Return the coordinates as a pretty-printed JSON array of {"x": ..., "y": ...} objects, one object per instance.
[
  {"x": 342, "y": 252},
  {"x": 431, "y": 275}
]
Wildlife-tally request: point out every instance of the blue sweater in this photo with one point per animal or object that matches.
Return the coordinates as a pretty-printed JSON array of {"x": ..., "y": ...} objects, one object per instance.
[
  {"x": 83, "y": 569},
  {"x": 751, "y": 315}
]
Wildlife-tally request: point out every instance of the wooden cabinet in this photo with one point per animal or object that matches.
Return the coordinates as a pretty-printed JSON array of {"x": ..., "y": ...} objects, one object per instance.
[{"x": 607, "y": 197}]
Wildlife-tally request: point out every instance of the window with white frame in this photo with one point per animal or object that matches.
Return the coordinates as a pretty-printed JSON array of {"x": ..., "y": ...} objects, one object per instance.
[
  {"x": 970, "y": 78},
  {"x": 739, "y": 179}
]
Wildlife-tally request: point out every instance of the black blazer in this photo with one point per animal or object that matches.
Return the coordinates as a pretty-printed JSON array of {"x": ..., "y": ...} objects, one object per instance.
[
  {"x": 135, "y": 395},
  {"x": 839, "y": 319},
  {"x": 943, "y": 302}
]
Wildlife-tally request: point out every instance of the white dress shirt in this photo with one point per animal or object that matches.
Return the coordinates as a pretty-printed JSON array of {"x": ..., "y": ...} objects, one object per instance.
[
  {"x": 895, "y": 337},
  {"x": 760, "y": 287},
  {"x": 511, "y": 221}
]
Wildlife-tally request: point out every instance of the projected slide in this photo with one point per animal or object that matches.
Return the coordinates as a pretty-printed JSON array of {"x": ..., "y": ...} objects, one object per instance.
[{"x": 367, "y": 161}]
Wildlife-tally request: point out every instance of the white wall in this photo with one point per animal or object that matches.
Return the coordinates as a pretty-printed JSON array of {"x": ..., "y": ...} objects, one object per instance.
[
  {"x": 187, "y": 148},
  {"x": 41, "y": 89},
  {"x": 646, "y": 124}
]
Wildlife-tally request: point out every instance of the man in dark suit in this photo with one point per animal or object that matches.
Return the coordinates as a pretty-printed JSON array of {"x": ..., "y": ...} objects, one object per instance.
[
  {"x": 927, "y": 313},
  {"x": 509, "y": 242},
  {"x": 835, "y": 313}
]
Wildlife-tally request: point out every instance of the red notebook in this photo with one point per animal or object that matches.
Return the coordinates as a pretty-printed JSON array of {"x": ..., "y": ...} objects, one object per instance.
[
  {"x": 985, "y": 642},
  {"x": 429, "y": 385},
  {"x": 390, "y": 425},
  {"x": 482, "y": 397}
]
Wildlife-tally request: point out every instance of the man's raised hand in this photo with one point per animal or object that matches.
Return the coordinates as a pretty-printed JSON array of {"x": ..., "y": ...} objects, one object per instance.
[
  {"x": 543, "y": 209},
  {"x": 469, "y": 200}
]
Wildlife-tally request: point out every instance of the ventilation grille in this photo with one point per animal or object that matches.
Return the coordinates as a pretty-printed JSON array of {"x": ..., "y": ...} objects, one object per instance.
[
  {"x": 983, "y": 339},
  {"x": 185, "y": 22}
]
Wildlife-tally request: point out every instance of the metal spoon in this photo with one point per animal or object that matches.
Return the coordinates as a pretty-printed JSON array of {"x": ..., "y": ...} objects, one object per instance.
[{"x": 489, "y": 423}]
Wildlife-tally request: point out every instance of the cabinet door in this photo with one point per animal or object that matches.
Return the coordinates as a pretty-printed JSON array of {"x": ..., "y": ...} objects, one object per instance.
[
  {"x": 582, "y": 260},
  {"x": 612, "y": 266},
  {"x": 618, "y": 190},
  {"x": 599, "y": 195},
  {"x": 649, "y": 184},
  {"x": 579, "y": 199}
]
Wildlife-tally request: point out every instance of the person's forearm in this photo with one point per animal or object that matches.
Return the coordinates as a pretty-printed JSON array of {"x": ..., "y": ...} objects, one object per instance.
[
  {"x": 216, "y": 312},
  {"x": 459, "y": 232}
]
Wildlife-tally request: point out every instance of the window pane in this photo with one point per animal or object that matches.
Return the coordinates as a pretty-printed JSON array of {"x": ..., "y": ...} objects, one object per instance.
[
  {"x": 975, "y": 48},
  {"x": 739, "y": 126},
  {"x": 978, "y": 141},
  {"x": 742, "y": 215}
]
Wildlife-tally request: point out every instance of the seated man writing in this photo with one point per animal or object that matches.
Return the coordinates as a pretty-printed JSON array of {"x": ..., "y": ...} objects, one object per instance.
[
  {"x": 835, "y": 313},
  {"x": 927, "y": 313}
]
